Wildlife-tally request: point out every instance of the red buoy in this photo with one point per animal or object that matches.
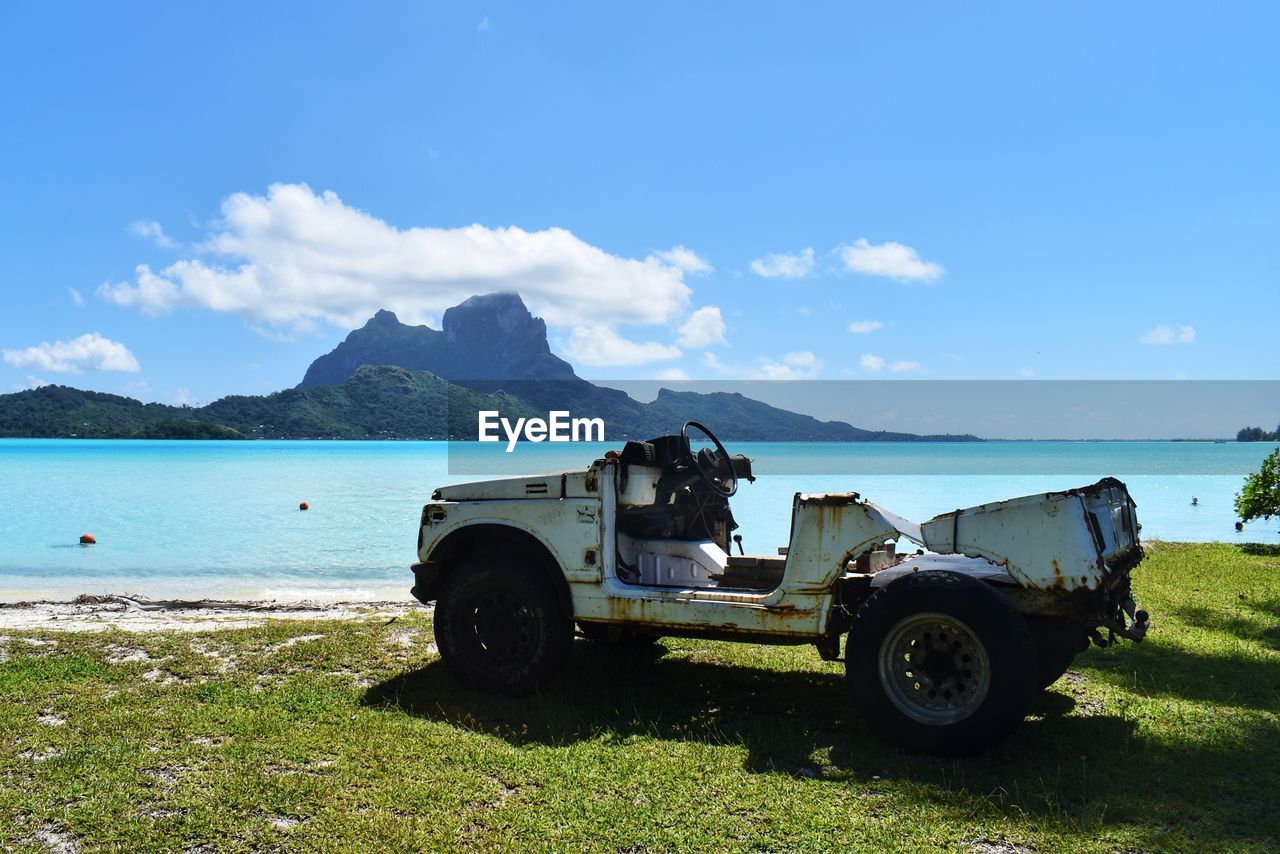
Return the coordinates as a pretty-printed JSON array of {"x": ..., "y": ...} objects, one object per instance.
[
  {"x": 304, "y": 506},
  {"x": 87, "y": 539}
]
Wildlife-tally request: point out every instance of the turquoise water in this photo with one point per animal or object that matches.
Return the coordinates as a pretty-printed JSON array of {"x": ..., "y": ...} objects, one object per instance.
[{"x": 196, "y": 519}]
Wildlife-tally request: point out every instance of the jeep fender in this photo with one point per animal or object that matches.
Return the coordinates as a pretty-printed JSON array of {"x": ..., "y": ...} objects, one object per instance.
[{"x": 466, "y": 541}]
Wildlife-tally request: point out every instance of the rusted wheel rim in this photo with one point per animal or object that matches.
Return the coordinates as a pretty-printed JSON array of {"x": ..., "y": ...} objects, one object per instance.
[
  {"x": 934, "y": 668},
  {"x": 504, "y": 626}
]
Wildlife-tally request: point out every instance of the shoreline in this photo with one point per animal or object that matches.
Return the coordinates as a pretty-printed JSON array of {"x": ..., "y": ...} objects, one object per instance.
[
  {"x": 89, "y": 613},
  {"x": 137, "y": 613}
]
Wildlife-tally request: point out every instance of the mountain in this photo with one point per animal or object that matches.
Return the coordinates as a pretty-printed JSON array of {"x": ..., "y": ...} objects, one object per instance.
[
  {"x": 389, "y": 380},
  {"x": 388, "y": 402},
  {"x": 489, "y": 337},
  {"x": 376, "y": 402},
  {"x": 54, "y": 411},
  {"x": 493, "y": 343},
  {"x": 750, "y": 420}
]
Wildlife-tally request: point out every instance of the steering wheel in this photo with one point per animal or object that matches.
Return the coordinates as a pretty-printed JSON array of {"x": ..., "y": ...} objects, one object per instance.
[{"x": 708, "y": 463}]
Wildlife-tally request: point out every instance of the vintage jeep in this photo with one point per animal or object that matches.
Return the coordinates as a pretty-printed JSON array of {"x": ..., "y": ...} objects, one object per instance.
[{"x": 946, "y": 647}]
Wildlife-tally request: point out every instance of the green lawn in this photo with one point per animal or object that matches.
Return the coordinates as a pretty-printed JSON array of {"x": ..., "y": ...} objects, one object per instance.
[{"x": 345, "y": 734}]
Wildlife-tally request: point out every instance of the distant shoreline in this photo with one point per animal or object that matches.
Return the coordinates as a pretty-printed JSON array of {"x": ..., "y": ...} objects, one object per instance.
[{"x": 728, "y": 438}]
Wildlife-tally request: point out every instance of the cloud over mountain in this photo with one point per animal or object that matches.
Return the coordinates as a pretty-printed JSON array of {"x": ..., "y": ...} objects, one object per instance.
[
  {"x": 704, "y": 328},
  {"x": 293, "y": 259}
]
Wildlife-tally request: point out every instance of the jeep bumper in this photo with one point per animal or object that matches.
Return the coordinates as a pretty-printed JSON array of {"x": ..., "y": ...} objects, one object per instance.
[{"x": 427, "y": 578}]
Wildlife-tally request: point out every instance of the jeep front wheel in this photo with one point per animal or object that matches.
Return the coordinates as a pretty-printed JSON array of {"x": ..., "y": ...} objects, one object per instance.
[
  {"x": 499, "y": 627},
  {"x": 940, "y": 663}
]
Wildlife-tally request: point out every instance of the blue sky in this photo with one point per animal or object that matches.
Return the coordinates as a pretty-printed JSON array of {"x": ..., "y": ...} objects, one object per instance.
[{"x": 199, "y": 199}]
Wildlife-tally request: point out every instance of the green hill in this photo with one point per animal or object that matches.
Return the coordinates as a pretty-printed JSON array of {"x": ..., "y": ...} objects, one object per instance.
[
  {"x": 388, "y": 380},
  {"x": 375, "y": 403},
  {"x": 56, "y": 411},
  {"x": 387, "y": 402}
]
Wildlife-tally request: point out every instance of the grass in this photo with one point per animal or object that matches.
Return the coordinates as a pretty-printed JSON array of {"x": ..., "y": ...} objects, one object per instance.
[{"x": 341, "y": 735}]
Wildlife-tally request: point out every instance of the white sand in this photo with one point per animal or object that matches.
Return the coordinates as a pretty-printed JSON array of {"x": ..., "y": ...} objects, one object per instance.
[{"x": 139, "y": 614}]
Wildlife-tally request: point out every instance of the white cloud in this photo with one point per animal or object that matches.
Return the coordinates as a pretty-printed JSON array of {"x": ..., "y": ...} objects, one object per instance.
[
  {"x": 182, "y": 397},
  {"x": 484, "y": 25},
  {"x": 793, "y": 366},
  {"x": 603, "y": 347},
  {"x": 712, "y": 361},
  {"x": 802, "y": 365},
  {"x": 862, "y": 327},
  {"x": 151, "y": 230},
  {"x": 293, "y": 257},
  {"x": 672, "y": 375},
  {"x": 283, "y": 336},
  {"x": 784, "y": 265},
  {"x": 874, "y": 363},
  {"x": 685, "y": 259},
  {"x": 89, "y": 352},
  {"x": 76, "y": 296},
  {"x": 1026, "y": 372},
  {"x": 1162, "y": 335},
  {"x": 893, "y": 260},
  {"x": 32, "y": 383},
  {"x": 704, "y": 328}
]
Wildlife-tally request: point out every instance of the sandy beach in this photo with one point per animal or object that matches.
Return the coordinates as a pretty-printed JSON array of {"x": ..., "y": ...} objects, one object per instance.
[{"x": 140, "y": 614}]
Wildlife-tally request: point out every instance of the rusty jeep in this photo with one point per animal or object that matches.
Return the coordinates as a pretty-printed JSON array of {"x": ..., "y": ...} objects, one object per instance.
[{"x": 949, "y": 635}]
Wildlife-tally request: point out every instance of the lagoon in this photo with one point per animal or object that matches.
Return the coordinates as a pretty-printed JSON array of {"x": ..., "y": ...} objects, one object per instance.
[{"x": 221, "y": 519}]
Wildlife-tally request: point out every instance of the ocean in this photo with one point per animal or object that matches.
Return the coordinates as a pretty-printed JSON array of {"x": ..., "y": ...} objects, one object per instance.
[{"x": 221, "y": 519}]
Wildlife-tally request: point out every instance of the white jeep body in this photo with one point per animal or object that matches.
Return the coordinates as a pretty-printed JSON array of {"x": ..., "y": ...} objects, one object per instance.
[
  {"x": 946, "y": 647},
  {"x": 1066, "y": 554}
]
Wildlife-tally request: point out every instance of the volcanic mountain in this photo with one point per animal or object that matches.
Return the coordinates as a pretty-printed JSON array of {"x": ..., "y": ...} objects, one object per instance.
[
  {"x": 489, "y": 337},
  {"x": 390, "y": 380}
]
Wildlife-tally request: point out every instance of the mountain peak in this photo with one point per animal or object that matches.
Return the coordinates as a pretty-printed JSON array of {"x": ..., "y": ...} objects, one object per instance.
[
  {"x": 486, "y": 337},
  {"x": 476, "y": 319},
  {"x": 498, "y": 301}
]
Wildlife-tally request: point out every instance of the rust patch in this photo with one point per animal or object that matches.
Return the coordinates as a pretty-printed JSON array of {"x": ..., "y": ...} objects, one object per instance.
[{"x": 1059, "y": 581}]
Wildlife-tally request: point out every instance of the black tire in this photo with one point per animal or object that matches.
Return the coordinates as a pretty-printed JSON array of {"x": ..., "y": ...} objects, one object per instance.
[
  {"x": 973, "y": 640},
  {"x": 1057, "y": 642},
  {"x": 616, "y": 635},
  {"x": 499, "y": 627}
]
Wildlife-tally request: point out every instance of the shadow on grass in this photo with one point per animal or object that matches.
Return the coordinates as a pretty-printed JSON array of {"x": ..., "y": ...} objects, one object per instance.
[
  {"x": 1064, "y": 767},
  {"x": 1154, "y": 669},
  {"x": 1261, "y": 549},
  {"x": 1262, "y": 625}
]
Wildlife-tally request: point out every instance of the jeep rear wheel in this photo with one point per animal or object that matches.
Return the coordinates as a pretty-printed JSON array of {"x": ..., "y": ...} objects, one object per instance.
[
  {"x": 940, "y": 663},
  {"x": 499, "y": 627}
]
